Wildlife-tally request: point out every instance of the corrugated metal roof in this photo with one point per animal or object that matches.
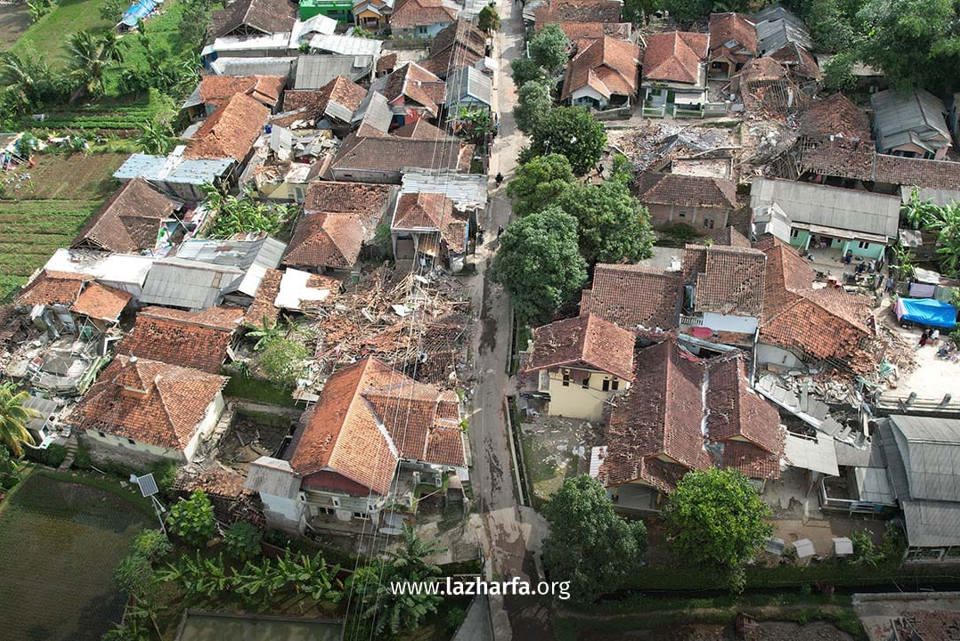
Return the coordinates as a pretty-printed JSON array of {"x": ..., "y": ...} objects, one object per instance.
[
  {"x": 931, "y": 523},
  {"x": 777, "y": 27},
  {"x": 315, "y": 71},
  {"x": 172, "y": 169},
  {"x": 816, "y": 454},
  {"x": 347, "y": 45},
  {"x": 467, "y": 191},
  {"x": 119, "y": 269},
  {"x": 375, "y": 111},
  {"x": 254, "y": 257},
  {"x": 930, "y": 451},
  {"x": 265, "y": 66},
  {"x": 901, "y": 118},
  {"x": 833, "y": 207},
  {"x": 190, "y": 284},
  {"x": 468, "y": 82}
]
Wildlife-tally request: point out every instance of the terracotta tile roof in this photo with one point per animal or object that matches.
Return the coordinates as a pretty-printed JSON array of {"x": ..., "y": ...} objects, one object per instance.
[
  {"x": 420, "y": 130},
  {"x": 413, "y": 13},
  {"x": 732, "y": 32},
  {"x": 393, "y": 153},
  {"x": 661, "y": 428},
  {"x": 129, "y": 221},
  {"x": 101, "y": 302},
  {"x": 787, "y": 272},
  {"x": 660, "y": 415},
  {"x": 191, "y": 339},
  {"x": 586, "y": 341},
  {"x": 862, "y": 162},
  {"x": 685, "y": 191},
  {"x": 340, "y": 91},
  {"x": 370, "y": 416},
  {"x": 729, "y": 236},
  {"x": 148, "y": 401},
  {"x": 798, "y": 60},
  {"x": 265, "y": 16},
  {"x": 633, "y": 295},
  {"x": 414, "y": 83},
  {"x": 52, "y": 288},
  {"x": 386, "y": 64},
  {"x": 580, "y": 31},
  {"x": 431, "y": 212},
  {"x": 559, "y": 11},
  {"x": 459, "y": 44},
  {"x": 339, "y": 217},
  {"x": 347, "y": 197},
  {"x": 727, "y": 280},
  {"x": 216, "y": 90},
  {"x": 607, "y": 65},
  {"x": 675, "y": 56},
  {"x": 737, "y": 412},
  {"x": 262, "y": 310},
  {"x": 761, "y": 69},
  {"x": 230, "y": 131},
  {"x": 836, "y": 115}
]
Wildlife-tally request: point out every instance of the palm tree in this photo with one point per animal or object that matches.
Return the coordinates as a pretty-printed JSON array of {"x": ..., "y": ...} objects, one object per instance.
[
  {"x": 14, "y": 418},
  {"x": 26, "y": 75},
  {"x": 90, "y": 57}
]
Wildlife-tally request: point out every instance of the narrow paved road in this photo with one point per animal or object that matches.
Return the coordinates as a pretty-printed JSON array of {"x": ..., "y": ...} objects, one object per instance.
[{"x": 510, "y": 532}]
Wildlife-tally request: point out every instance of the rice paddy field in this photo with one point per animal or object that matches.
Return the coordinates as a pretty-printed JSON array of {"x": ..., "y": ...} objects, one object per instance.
[
  {"x": 59, "y": 544},
  {"x": 43, "y": 207}
]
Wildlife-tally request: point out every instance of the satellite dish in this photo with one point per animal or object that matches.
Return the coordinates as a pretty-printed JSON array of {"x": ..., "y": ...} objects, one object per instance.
[{"x": 147, "y": 484}]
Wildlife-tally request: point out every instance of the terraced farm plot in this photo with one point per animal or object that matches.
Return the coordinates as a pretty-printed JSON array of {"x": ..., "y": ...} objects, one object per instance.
[
  {"x": 59, "y": 544},
  {"x": 31, "y": 230},
  {"x": 64, "y": 177}
]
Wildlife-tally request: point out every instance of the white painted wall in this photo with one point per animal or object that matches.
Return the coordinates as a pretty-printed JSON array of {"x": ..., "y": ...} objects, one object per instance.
[
  {"x": 771, "y": 354},
  {"x": 730, "y": 323}
]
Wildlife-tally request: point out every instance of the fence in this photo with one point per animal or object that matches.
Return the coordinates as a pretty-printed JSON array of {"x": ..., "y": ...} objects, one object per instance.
[{"x": 707, "y": 110}]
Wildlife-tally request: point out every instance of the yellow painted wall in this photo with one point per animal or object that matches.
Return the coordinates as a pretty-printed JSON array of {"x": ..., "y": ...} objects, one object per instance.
[{"x": 573, "y": 401}]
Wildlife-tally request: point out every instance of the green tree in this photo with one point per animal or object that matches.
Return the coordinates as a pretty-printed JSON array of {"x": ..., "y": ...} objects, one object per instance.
[
  {"x": 192, "y": 520},
  {"x": 589, "y": 544},
  {"x": 474, "y": 124},
  {"x": 539, "y": 182},
  {"x": 612, "y": 224},
  {"x": 915, "y": 42},
  {"x": 832, "y": 23},
  {"x": 948, "y": 240},
  {"x": 550, "y": 49},
  {"x": 242, "y": 540},
  {"x": 90, "y": 56},
  {"x": 534, "y": 102},
  {"x": 636, "y": 11},
  {"x": 838, "y": 73},
  {"x": 488, "y": 19},
  {"x": 283, "y": 360},
  {"x": 539, "y": 264},
  {"x": 376, "y": 609},
  {"x": 156, "y": 137},
  {"x": 573, "y": 132},
  {"x": 14, "y": 418},
  {"x": 525, "y": 70},
  {"x": 112, "y": 10},
  {"x": 715, "y": 519},
  {"x": 242, "y": 214},
  {"x": 28, "y": 79}
]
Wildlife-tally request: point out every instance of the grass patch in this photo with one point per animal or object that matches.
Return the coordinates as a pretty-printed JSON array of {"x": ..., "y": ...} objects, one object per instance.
[
  {"x": 258, "y": 390},
  {"x": 106, "y": 116},
  {"x": 49, "y": 34},
  {"x": 60, "y": 538}
]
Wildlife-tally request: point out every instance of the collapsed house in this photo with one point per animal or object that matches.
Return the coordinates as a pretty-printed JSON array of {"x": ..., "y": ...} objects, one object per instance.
[{"x": 361, "y": 451}]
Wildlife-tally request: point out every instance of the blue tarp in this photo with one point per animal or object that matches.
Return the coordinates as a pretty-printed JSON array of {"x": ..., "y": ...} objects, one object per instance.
[
  {"x": 927, "y": 311},
  {"x": 137, "y": 12}
]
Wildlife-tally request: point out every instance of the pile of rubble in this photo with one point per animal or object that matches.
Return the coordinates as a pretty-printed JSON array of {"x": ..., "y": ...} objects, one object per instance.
[
  {"x": 654, "y": 142},
  {"x": 418, "y": 324}
]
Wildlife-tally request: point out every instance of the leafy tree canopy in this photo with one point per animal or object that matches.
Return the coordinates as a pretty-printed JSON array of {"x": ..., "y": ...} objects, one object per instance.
[
  {"x": 488, "y": 19},
  {"x": 613, "y": 225},
  {"x": 534, "y": 102},
  {"x": 571, "y": 131},
  {"x": 282, "y": 360},
  {"x": 539, "y": 182},
  {"x": 14, "y": 417},
  {"x": 539, "y": 264},
  {"x": 192, "y": 520},
  {"x": 525, "y": 70},
  {"x": 550, "y": 49},
  {"x": 715, "y": 518},
  {"x": 589, "y": 544}
]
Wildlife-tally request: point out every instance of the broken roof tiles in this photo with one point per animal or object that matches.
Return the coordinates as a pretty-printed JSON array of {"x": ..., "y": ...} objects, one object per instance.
[
  {"x": 727, "y": 280},
  {"x": 245, "y": 16},
  {"x": 52, "y": 288},
  {"x": 368, "y": 418},
  {"x": 148, "y": 401},
  {"x": 835, "y": 116},
  {"x": 584, "y": 342},
  {"x": 425, "y": 212},
  {"x": 230, "y": 131},
  {"x": 199, "y": 340},
  {"x": 129, "y": 221},
  {"x": 559, "y": 11},
  {"x": 217, "y": 90},
  {"x": 101, "y": 302},
  {"x": 634, "y": 296},
  {"x": 682, "y": 190}
]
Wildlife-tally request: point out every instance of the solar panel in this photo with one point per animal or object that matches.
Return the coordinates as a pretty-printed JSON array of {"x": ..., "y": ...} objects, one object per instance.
[{"x": 148, "y": 485}]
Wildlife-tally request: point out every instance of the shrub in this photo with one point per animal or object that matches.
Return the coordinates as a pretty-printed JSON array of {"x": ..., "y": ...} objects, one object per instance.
[
  {"x": 242, "y": 541},
  {"x": 52, "y": 455},
  {"x": 192, "y": 520},
  {"x": 152, "y": 545}
]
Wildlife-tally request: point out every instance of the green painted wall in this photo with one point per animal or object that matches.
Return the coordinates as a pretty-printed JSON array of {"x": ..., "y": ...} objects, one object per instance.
[
  {"x": 336, "y": 9},
  {"x": 800, "y": 240}
]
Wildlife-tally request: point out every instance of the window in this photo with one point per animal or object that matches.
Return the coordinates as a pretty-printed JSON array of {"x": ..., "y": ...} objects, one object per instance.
[
  {"x": 586, "y": 383},
  {"x": 682, "y": 214},
  {"x": 615, "y": 384},
  {"x": 566, "y": 379},
  {"x": 335, "y": 500},
  {"x": 606, "y": 385},
  {"x": 363, "y": 516},
  {"x": 863, "y": 244},
  {"x": 131, "y": 441},
  {"x": 102, "y": 435},
  {"x": 298, "y": 193},
  {"x": 794, "y": 233},
  {"x": 708, "y": 223}
]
